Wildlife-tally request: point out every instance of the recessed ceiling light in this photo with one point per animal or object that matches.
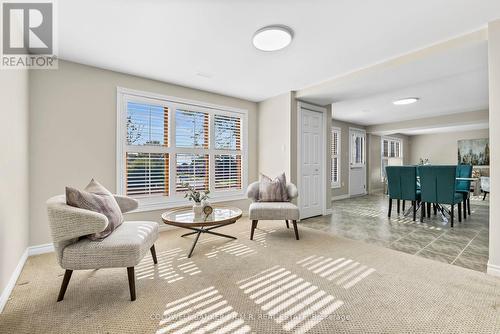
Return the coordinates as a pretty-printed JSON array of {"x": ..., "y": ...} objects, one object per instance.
[
  {"x": 272, "y": 38},
  {"x": 408, "y": 100}
]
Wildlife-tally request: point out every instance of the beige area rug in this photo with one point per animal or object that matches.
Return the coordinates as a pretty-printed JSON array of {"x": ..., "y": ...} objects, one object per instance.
[{"x": 274, "y": 284}]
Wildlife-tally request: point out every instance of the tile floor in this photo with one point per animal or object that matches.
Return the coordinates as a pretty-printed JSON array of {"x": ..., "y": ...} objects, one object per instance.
[{"x": 365, "y": 218}]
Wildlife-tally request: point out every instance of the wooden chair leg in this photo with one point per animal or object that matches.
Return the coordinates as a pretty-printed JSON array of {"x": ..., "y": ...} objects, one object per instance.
[
  {"x": 451, "y": 214},
  {"x": 399, "y": 203},
  {"x": 460, "y": 212},
  {"x": 390, "y": 208},
  {"x": 414, "y": 204},
  {"x": 64, "y": 285},
  {"x": 131, "y": 282},
  {"x": 287, "y": 226},
  {"x": 153, "y": 254},
  {"x": 254, "y": 226},
  {"x": 294, "y": 222}
]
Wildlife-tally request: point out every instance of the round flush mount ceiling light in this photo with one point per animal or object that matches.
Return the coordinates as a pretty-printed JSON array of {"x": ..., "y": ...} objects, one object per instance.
[
  {"x": 407, "y": 100},
  {"x": 273, "y": 38}
]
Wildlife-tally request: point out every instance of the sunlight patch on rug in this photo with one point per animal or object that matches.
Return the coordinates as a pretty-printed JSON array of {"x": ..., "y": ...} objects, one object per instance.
[
  {"x": 293, "y": 303},
  {"x": 205, "y": 311},
  {"x": 173, "y": 265},
  {"x": 344, "y": 272}
]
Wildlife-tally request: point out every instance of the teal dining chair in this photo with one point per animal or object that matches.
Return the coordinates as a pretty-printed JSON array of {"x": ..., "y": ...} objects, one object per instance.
[
  {"x": 463, "y": 186},
  {"x": 438, "y": 186},
  {"x": 402, "y": 185}
]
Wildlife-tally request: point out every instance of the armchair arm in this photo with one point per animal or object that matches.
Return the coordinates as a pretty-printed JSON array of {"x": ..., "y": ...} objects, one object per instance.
[
  {"x": 67, "y": 222},
  {"x": 292, "y": 190},
  {"x": 126, "y": 204},
  {"x": 253, "y": 191}
]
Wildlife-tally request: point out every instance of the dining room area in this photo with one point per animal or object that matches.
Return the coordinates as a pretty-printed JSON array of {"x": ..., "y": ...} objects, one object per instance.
[{"x": 410, "y": 154}]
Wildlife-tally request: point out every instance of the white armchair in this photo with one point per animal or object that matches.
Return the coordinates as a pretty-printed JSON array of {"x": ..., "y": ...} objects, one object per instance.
[
  {"x": 273, "y": 210},
  {"x": 485, "y": 186},
  {"x": 125, "y": 247}
]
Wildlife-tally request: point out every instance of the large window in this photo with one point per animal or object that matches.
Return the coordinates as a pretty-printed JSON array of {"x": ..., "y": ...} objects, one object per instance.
[
  {"x": 336, "y": 157},
  {"x": 392, "y": 153},
  {"x": 165, "y": 143}
]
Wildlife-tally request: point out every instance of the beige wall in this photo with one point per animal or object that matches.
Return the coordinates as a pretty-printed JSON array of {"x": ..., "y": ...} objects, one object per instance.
[
  {"x": 494, "y": 87},
  {"x": 13, "y": 171},
  {"x": 441, "y": 148},
  {"x": 344, "y": 156},
  {"x": 73, "y": 132},
  {"x": 274, "y": 136}
]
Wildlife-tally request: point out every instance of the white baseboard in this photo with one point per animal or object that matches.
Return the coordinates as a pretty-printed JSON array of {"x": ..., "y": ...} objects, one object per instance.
[
  {"x": 338, "y": 198},
  {"x": 40, "y": 249},
  {"x": 4, "y": 297},
  {"x": 493, "y": 269}
]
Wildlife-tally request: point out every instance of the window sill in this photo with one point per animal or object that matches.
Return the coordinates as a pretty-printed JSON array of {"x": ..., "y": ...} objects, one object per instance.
[
  {"x": 336, "y": 186},
  {"x": 146, "y": 205}
]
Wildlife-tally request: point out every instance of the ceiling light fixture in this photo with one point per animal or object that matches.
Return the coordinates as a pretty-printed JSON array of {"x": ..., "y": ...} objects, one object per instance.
[
  {"x": 408, "y": 100},
  {"x": 273, "y": 38}
]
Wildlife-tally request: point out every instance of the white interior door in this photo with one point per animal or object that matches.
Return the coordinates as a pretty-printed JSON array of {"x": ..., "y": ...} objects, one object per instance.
[
  {"x": 311, "y": 168},
  {"x": 357, "y": 168}
]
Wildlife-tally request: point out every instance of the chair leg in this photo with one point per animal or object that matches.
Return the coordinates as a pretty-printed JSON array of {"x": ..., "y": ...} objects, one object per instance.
[
  {"x": 64, "y": 285},
  {"x": 254, "y": 226},
  {"x": 153, "y": 254},
  {"x": 414, "y": 204},
  {"x": 403, "y": 205},
  {"x": 399, "y": 203},
  {"x": 468, "y": 204},
  {"x": 428, "y": 210},
  {"x": 287, "y": 226},
  {"x": 131, "y": 282},
  {"x": 422, "y": 211},
  {"x": 294, "y": 222},
  {"x": 434, "y": 206},
  {"x": 390, "y": 208},
  {"x": 451, "y": 214},
  {"x": 484, "y": 197},
  {"x": 460, "y": 212}
]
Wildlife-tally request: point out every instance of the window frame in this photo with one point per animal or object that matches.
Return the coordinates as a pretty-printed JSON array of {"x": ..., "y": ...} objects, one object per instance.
[
  {"x": 149, "y": 203},
  {"x": 382, "y": 157},
  {"x": 337, "y": 184}
]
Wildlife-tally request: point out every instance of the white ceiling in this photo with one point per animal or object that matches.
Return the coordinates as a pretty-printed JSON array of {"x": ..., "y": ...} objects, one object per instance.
[{"x": 207, "y": 44}]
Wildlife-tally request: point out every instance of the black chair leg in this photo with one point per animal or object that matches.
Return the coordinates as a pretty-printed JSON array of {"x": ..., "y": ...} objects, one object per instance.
[
  {"x": 131, "y": 282},
  {"x": 294, "y": 222},
  {"x": 64, "y": 285},
  {"x": 254, "y": 226},
  {"x": 390, "y": 208},
  {"x": 451, "y": 214},
  {"x": 422, "y": 211},
  {"x": 460, "y": 212},
  {"x": 153, "y": 254},
  {"x": 484, "y": 197},
  {"x": 287, "y": 226},
  {"x": 399, "y": 204},
  {"x": 414, "y": 204},
  {"x": 434, "y": 206},
  {"x": 403, "y": 205},
  {"x": 428, "y": 210},
  {"x": 468, "y": 204}
]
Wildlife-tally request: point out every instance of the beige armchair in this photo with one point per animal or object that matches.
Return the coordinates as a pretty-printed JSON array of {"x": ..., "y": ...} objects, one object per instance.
[
  {"x": 273, "y": 210},
  {"x": 125, "y": 247}
]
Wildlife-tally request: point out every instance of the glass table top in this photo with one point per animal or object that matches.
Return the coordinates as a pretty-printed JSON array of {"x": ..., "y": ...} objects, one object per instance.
[{"x": 186, "y": 217}]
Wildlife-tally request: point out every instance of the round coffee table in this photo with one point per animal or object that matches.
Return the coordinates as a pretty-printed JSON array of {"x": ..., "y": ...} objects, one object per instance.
[{"x": 185, "y": 218}]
